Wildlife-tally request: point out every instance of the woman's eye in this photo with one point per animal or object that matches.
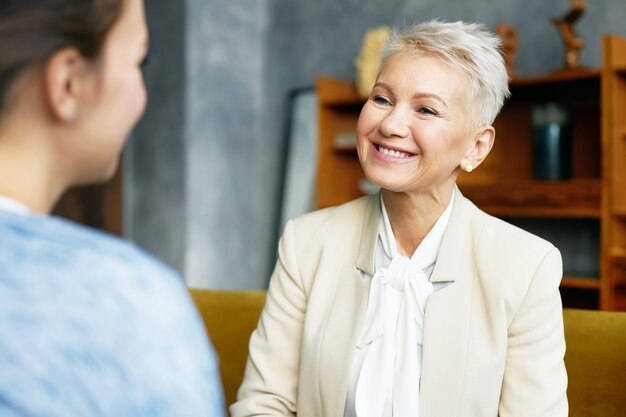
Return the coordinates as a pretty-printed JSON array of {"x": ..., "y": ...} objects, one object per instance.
[
  {"x": 381, "y": 100},
  {"x": 427, "y": 111}
]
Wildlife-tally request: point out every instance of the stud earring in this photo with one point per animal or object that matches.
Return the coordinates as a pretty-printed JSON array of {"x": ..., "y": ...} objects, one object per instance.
[
  {"x": 469, "y": 168},
  {"x": 71, "y": 114}
]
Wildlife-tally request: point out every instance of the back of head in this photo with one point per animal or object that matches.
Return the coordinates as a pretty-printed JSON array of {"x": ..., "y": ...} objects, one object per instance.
[
  {"x": 31, "y": 31},
  {"x": 468, "y": 48}
]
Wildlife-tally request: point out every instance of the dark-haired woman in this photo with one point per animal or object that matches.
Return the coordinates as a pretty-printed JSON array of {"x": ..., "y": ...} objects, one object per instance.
[{"x": 89, "y": 325}]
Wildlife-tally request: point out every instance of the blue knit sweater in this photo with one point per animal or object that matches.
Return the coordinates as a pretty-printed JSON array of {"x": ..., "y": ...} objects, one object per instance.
[{"x": 92, "y": 326}]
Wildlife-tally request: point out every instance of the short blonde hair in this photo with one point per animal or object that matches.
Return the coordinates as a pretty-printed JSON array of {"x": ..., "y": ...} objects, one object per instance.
[{"x": 468, "y": 47}]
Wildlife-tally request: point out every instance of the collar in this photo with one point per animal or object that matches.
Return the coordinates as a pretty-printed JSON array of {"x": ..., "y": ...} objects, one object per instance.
[
  {"x": 12, "y": 205},
  {"x": 454, "y": 239}
]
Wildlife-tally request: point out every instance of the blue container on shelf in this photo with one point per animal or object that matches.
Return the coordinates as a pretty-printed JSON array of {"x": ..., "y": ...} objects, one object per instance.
[{"x": 552, "y": 142}]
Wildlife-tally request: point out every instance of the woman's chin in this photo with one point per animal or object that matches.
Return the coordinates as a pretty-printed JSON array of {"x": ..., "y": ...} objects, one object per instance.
[
  {"x": 388, "y": 184},
  {"x": 98, "y": 175}
]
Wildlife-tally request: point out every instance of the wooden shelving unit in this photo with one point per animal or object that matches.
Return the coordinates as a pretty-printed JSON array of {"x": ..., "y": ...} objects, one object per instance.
[
  {"x": 581, "y": 283},
  {"x": 613, "y": 226},
  {"x": 339, "y": 173},
  {"x": 504, "y": 185},
  {"x": 563, "y": 199}
]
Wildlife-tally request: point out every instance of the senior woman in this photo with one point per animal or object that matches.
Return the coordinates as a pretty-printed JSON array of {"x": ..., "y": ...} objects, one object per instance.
[{"x": 414, "y": 302}]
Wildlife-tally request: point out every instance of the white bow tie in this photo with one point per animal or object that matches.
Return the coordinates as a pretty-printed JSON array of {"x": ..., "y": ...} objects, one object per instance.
[{"x": 391, "y": 368}]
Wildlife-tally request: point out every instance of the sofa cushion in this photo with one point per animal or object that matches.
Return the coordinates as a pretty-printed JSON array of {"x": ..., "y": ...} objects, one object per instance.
[
  {"x": 596, "y": 362},
  {"x": 230, "y": 317}
]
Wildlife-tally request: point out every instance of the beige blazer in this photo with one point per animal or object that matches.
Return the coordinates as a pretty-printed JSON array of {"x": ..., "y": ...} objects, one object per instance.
[{"x": 493, "y": 337}]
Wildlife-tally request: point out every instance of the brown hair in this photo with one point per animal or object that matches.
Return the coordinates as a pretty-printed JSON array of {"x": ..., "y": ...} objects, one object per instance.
[{"x": 31, "y": 31}]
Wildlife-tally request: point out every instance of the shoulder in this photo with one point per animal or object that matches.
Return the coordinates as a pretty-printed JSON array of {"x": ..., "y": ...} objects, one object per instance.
[
  {"x": 500, "y": 237},
  {"x": 84, "y": 264},
  {"x": 335, "y": 230},
  {"x": 508, "y": 259},
  {"x": 59, "y": 242},
  {"x": 334, "y": 220},
  {"x": 328, "y": 236}
]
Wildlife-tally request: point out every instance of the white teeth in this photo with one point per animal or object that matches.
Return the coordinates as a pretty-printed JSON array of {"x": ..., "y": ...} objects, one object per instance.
[{"x": 391, "y": 152}]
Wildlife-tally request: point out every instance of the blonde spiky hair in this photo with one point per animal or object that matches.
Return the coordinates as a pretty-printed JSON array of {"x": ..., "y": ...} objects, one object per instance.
[{"x": 468, "y": 47}]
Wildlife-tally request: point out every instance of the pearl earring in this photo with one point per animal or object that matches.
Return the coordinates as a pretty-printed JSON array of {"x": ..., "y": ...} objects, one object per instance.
[
  {"x": 71, "y": 114},
  {"x": 469, "y": 168}
]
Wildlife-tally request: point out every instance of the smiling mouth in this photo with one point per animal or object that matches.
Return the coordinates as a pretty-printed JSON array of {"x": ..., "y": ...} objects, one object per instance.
[{"x": 391, "y": 152}]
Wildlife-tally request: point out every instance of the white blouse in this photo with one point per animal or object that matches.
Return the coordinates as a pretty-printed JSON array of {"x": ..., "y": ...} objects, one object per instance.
[{"x": 386, "y": 369}]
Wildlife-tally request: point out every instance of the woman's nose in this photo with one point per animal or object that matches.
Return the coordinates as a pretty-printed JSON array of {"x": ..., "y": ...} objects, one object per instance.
[{"x": 395, "y": 123}]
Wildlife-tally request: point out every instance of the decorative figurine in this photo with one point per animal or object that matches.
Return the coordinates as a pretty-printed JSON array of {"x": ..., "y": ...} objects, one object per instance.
[
  {"x": 508, "y": 34},
  {"x": 369, "y": 60},
  {"x": 573, "y": 43}
]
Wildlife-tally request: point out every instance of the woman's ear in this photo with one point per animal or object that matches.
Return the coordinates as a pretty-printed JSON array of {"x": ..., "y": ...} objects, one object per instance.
[
  {"x": 62, "y": 83},
  {"x": 481, "y": 146}
]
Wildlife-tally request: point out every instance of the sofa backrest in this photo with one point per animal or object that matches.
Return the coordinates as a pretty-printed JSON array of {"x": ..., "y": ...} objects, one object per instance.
[
  {"x": 596, "y": 362},
  {"x": 230, "y": 317}
]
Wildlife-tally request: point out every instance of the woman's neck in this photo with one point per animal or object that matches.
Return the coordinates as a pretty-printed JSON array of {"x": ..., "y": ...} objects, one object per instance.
[
  {"x": 27, "y": 174},
  {"x": 413, "y": 215}
]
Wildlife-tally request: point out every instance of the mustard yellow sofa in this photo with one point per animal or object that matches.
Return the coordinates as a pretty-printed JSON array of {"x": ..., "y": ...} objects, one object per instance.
[
  {"x": 595, "y": 358},
  {"x": 230, "y": 317}
]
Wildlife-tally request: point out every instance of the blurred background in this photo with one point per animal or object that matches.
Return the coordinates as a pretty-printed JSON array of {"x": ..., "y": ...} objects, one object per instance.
[{"x": 203, "y": 179}]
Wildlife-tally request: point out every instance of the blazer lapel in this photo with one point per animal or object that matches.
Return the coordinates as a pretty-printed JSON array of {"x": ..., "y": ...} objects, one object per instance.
[
  {"x": 369, "y": 236},
  {"x": 447, "y": 318},
  {"x": 346, "y": 314}
]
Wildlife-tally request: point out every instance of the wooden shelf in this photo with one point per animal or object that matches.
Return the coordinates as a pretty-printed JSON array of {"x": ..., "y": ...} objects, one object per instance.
[
  {"x": 571, "y": 199},
  {"x": 556, "y": 77},
  {"x": 583, "y": 283},
  {"x": 335, "y": 92},
  {"x": 351, "y": 149},
  {"x": 618, "y": 256},
  {"x": 620, "y": 213}
]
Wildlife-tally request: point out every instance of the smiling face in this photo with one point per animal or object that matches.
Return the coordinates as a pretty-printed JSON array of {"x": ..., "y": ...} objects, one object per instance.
[{"x": 413, "y": 132}]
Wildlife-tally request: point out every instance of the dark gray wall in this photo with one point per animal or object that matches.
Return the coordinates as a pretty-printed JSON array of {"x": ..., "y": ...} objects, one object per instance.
[
  {"x": 230, "y": 176},
  {"x": 200, "y": 182},
  {"x": 204, "y": 166},
  {"x": 323, "y": 37},
  {"x": 154, "y": 175}
]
